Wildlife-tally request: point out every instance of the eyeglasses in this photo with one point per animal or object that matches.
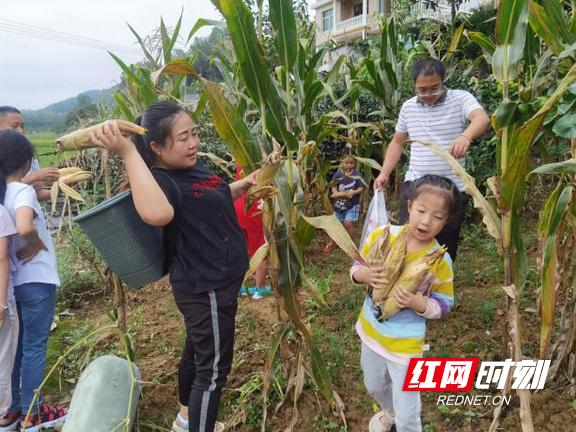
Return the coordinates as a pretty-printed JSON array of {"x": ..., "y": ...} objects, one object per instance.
[{"x": 435, "y": 92}]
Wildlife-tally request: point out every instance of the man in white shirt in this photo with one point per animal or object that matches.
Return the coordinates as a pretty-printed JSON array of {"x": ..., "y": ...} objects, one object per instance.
[
  {"x": 450, "y": 118},
  {"x": 11, "y": 118}
]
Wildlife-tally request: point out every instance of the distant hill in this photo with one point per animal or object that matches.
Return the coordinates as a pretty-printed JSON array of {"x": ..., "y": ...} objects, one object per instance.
[{"x": 51, "y": 117}]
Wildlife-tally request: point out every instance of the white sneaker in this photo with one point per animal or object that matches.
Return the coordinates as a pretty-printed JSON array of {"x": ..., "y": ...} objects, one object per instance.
[
  {"x": 180, "y": 424},
  {"x": 381, "y": 422}
]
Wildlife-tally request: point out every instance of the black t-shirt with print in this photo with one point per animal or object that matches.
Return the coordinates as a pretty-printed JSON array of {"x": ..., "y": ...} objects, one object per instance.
[{"x": 210, "y": 247}]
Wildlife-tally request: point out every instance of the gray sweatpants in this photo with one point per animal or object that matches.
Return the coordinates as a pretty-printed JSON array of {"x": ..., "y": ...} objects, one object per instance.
[{"x": 384, "y": 379}]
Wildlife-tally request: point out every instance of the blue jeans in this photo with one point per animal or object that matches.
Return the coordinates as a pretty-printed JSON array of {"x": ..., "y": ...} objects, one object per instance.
[{"x": 35, "y": 303}]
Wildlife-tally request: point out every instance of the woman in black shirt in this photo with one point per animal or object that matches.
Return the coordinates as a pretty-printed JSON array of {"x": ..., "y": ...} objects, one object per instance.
[{"x": 210, "y": 255}]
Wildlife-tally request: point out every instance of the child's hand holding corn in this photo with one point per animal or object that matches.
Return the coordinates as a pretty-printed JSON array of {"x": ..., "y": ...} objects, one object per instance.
[{"x": 406, "y": 299}]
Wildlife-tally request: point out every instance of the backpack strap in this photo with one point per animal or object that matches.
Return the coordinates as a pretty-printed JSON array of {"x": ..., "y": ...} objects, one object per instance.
[{"x": 171, "y": 230}]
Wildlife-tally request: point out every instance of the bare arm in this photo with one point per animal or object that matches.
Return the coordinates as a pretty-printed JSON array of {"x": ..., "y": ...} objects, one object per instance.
[
  {"x": 149, "y": 199},
  {"x": 479, "y": 122},
  {"x": 239, "y": 187},
  {"x": 27, "y": 230},
  {"x": 4, "y": 278},
  {"x": 391, "y": 158}
]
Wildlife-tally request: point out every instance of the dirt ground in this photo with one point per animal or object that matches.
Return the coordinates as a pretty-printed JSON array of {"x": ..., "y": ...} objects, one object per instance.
[{"x": 474, "y": 328}]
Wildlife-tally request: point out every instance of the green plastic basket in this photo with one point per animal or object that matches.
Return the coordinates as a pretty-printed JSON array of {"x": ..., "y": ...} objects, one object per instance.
[{"x": 132, "y": 248}]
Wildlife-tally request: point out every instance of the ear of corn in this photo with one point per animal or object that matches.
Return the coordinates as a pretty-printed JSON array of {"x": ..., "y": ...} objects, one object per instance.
[
  {"x": 392, "y": 257},
  {"x": 411, "y": 279},
  {"x": 263, "y": 187},
  {"x": 397, "y": 271},
  {"x": 79, "y": 140}
]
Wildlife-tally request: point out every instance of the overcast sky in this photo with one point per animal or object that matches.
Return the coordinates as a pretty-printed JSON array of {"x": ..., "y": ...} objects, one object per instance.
[{"x": 35, "y": 73}]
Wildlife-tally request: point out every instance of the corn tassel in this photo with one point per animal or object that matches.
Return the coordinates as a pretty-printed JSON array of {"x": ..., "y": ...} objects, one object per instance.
[{"x": 79, "y": 140}]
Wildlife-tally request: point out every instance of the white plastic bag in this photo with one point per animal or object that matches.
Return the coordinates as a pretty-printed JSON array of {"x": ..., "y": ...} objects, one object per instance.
[{"x": 376, "y": 216}]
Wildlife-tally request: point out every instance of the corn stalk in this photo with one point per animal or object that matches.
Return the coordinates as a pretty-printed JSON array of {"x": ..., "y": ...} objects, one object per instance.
[{"x": 516, "y": 136}]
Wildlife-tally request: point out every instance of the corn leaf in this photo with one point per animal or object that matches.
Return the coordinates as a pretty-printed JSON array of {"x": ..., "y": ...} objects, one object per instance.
[
  {"x": 547, "y": 210},
  {"x": 484, "y": 42},
  {"x": 490, "y": 217},
  {"x": 284, "y": 22},
  {"x": 71, "y": 193},
  {"x": 543, "y": 27},
  {"x": 54, "y": 196},
  {"x": 565, "y": 126},
  {"x": 513, "y": 182},
  {"x": 566, "y": 167},
  {"x": 147, "y": 53},
  {"x": 338, "y": 233},
  {"x": 232, "y": 128},
  {"x": 510, "y": 37},
  {"x": 559, "y": 20},
  {"x": 202, "y": 22},
  {"x": 549, "y": 276},
  {"x": 369, "y": 162},
  {"x": 259, "y": 256},
  {"x": 320, "y": 373},
  {"x": 454, "y": 42}
]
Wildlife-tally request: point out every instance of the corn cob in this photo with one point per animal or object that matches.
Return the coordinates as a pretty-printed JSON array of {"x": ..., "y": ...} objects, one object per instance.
[
  {"x": 411, "y": 279},
  {"x": 263, "y": 187},
  {"x": 391, "y": 257},
  {"x": 79, "y": 140}
]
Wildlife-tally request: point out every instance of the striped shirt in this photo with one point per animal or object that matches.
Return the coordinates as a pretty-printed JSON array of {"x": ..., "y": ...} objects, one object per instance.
[
  {"x": 440, "y": 123},
  {"x": 402, "y": 336}
]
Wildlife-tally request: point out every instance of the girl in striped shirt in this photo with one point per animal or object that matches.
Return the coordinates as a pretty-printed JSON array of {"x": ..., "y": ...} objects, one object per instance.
[{"x": 387, "y": 346}]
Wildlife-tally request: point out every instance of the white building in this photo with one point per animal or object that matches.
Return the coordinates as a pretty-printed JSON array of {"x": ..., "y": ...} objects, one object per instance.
[{"x": 348, "y": 20}]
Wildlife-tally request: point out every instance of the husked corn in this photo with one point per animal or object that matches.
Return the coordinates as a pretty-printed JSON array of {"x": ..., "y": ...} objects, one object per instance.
[{"x": 79, "y": 140}]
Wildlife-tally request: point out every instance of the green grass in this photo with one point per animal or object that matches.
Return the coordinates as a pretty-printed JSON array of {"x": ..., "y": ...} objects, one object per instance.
[{"x": 45, "y": 151}]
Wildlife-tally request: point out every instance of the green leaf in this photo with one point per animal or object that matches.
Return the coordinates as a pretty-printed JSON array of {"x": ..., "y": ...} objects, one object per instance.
[
  {"x": 176, "y": 32},
  {"x": 548, "y": 293},
  {"x": 510, "y": 37},
  {"x": 165, "y": 42},
  {"x": 369, "y": 162},
  {"x": 565, "y": 127},
  {"x": 513, "y": 185},
  {"x": 484, "y": 42},
  {"x": 543, "y": 27},
  {"x": 520, "y": 256},
  {"x": 284, "y": 22},
  {"x": 320, "y": 373},
  {"x": 147, "y": 53},
  {"x": 506, "y": 114},
  {"x": 566, "y": 167},
  {"x": 202, "y": 22},
  {"x": 547, "y": 209},
  {"x": 231, "y": 128},
  {"x": 122, "y": 104},
  {"x": 454, "y": 42},
  {"x": 555, "y": 11}
]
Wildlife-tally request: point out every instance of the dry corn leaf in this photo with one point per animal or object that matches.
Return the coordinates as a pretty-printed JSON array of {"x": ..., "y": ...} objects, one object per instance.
[
  {"x": 259, "y": 256},
  {"x": 71, "y": 193},
  {"x": 79, "y": 139},
  {"x": 263, "y": 187},
  {"x": 338, "y": 233},
  {"x": 54, "y": 196},
  {"x": 490, "y": 217}
]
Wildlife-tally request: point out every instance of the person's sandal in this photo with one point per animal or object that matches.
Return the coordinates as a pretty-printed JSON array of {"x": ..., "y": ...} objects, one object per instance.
[
  {"x": 180, "y": 424},
  {"x": 49, "y": 416},
  {"x": 10, "y": 421}
]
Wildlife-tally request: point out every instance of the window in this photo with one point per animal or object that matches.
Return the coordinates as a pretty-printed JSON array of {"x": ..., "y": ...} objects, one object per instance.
[
  {"x": 357, "y": 9},
  {"x": 327, "y": 20}
]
